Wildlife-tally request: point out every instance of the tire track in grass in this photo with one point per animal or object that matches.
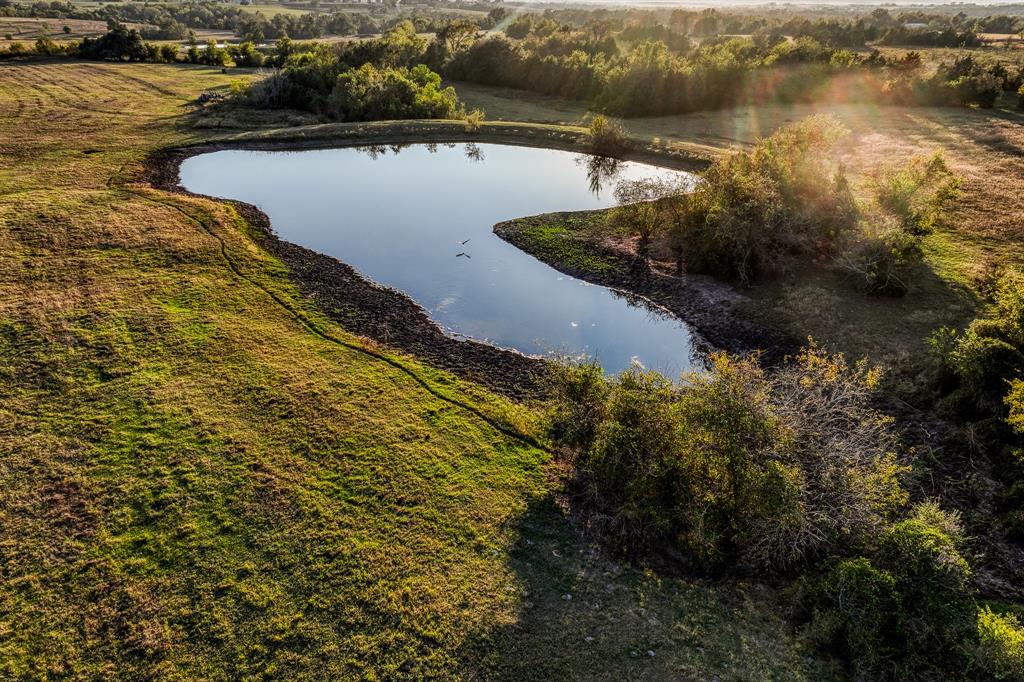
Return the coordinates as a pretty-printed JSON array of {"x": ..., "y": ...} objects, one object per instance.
[{"x": 316, "y": 330}]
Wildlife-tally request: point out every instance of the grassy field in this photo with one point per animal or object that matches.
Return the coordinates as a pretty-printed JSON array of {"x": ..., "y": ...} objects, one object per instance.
[
  {"x": 204, "y": 478},
  {"x": 983, "y": 234},
  {"x": 26, "y": 31}
]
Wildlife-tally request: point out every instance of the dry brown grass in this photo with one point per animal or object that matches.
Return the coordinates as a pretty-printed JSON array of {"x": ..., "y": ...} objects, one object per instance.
[{"x": 28, "y": 29}]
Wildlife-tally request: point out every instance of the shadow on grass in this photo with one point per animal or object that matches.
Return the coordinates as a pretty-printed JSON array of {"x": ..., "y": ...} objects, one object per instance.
[
  {"x": 582, "y": 616},
  {"x": 828, "y": 305}
]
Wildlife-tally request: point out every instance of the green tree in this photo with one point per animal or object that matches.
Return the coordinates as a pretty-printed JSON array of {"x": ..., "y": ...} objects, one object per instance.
[{"x": 370, "y": 93}]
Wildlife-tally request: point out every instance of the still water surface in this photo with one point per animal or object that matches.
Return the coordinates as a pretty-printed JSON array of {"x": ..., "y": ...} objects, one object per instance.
[{"x": 402, "y": 219}]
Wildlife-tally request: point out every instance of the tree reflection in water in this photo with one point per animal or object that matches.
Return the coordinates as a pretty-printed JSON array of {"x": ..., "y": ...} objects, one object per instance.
[{"x": 601, "y": 171}]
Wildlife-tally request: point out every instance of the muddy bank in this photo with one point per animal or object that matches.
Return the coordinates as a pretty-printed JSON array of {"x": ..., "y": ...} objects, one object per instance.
[
  {"x": 370, "y": 310},
  {"x": 707, "y": 305}
]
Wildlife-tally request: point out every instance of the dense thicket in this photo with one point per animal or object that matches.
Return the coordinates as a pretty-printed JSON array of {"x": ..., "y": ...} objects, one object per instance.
[
  {"x": 793, "y": 470},
  {"x": 366, "y": 80},
  {"x": 985, "y": 362},
  {"x": 754, "y": 211},
  {"x": 733, "y": 466},
  {"x": 787, "y": 204}
]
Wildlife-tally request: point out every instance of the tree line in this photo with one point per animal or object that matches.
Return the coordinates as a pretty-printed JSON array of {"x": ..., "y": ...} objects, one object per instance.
[
  {"x": 176, "y": 21},
  {"x": 650, "y": 79}
]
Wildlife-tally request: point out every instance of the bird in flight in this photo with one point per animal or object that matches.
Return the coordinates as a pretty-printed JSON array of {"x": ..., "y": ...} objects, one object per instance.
[
  {"x": 463, "y": 254},
  {"x": 464, "y": 241}
]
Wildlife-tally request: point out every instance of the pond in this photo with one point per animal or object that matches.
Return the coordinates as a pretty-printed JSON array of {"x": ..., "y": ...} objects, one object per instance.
[{"x": 419, "y": 219}]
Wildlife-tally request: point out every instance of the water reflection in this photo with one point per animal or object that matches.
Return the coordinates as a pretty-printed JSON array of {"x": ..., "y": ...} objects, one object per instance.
[
  {"x": 473, "y": 152},
  {"x": 601, "y": 171}
]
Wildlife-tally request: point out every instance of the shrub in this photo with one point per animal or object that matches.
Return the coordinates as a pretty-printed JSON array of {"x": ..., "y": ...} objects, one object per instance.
[
  {"x": 906, "y": 613},
  {"x": 607, "y": 137},
  {"x": 161, "y": 54},
  {"x": 640, "y": 211},
  {"x": 755, "y": 210},
  {"x": 862, "y": 602},
  {"x": 273, "y": 91},
  {"x": 988, "y": 356},
  {"x": 1000, "y": 649},
  {"x": 917, "y": 193},
  {"x": 984, "y": 364},
  {"x": 980, "y": 88},
  {"x": 966, "y": 81},
  {"x": 580, "y": 406},
  {"x": 883, "y": 261},
  {"x": 735, "y": 482},
  {"x": 16, "y": 49},
  {"x": 634, "y": 477},
  {"x": 844, "y": 452},
  {"x": 246, "y": 55},
  {"x": 909, "y": 201},
  {"x": 117, "y": 44},
  {"x": 474, "y": 120},
  {"x": 923, "y": 553},
  {"x": 46, "y": 46},
  {"x": 213, "y": 55},
  {"x": 169, "y": 53}
]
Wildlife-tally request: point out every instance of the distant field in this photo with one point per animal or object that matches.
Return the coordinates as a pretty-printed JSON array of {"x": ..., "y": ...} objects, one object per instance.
[
  {"x": 934, "y": 55},
  {"x": 29, "y": 29},
  {"x": 26, "y": 30},
  {"x": 1002, "y": 39}
]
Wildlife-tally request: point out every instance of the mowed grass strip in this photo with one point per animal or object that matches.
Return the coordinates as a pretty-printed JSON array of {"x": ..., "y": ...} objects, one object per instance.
[{"x": 194, "y": 485}]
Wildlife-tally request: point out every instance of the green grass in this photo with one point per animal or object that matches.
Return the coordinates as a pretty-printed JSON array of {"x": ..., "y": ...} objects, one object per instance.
[
  {"x": 205, "y": 478},
  {"x": 554, "y": 239}
]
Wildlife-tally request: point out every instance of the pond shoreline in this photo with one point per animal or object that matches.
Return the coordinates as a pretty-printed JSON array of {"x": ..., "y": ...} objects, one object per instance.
[{"x": 392, "y": 318}]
